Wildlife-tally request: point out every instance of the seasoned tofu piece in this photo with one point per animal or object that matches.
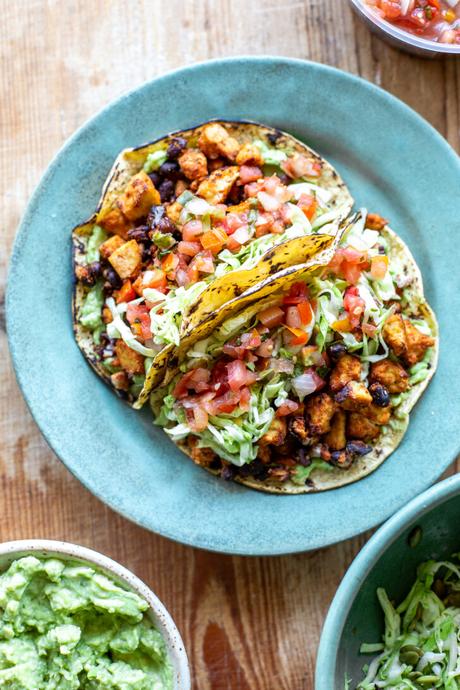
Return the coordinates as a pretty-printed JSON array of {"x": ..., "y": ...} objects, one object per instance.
[
  {"x": 127, "y": 259},
  {"x": 276, "y": 434},
  {"x": 319, "y": 411},
  {"x": 215, "y": 141},
  {"x": 298, "y": 428},
  {"x": 200, "y": 456},
  {"x": 217, "y": 186},
  {"x": 348, "y": 368},
  {"x": 114, "y": 222},
  {"x": 394, "y": 334},
  {"x": 354, "y": 396},
  {"x": 264, "y": 453},
  {"x": 109, "y": 246},
  {"x": 390, "y": 374},
  {"x": 120, "y": 380},
  {"x": 379, "y": 415},
  {"x": 242, "y": 207},
  {"x": 249, "y": 154},
  {"x": 417, "y": 344},
  {"x": 193, "y": 164},
  {"x": 336, "y": 438},
  {"x": 173, "y": 211},
  {"x": 359, "y": 427},
  {"x": 375, "y": 222},
  {"x": 130, "y": 360},
  {"x": 138, "y": 197}
]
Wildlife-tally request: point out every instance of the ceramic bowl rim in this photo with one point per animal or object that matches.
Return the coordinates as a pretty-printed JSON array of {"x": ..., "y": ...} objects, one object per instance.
[
  {"x": 163, "y": 619},
  {"x": 361, "y": 566}
]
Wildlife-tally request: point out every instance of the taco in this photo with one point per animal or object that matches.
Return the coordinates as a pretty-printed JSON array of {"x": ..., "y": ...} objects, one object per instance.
[
  {"x": 309, "y": 386},
  {"x": 185, "y": 225}
]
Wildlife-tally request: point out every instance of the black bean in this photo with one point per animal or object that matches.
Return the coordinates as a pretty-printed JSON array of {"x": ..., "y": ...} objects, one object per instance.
[
  {"x": 166, "y": 225},
  {"x": 112, "y": 277},
  {"x": 341, "y": 458},
  {"x": 176, "y": 147},
  {"x": 228, "y": 472},
  {"x": 336, "y": 350},
  {"x": 380, "y": 394},
  {"x": 273, "y": 136},
  {"x": 155, "y": 177},
  {"x": 95, "y": 269},
  {"x": 358, "y": 448},
  {"x": 166, "y": 190},
  {"x": 170, "y": 170},
  {"x": 302, "y": 458},
  {"x": 140, "y": 234},
  {"x": 145, "y": 251}
]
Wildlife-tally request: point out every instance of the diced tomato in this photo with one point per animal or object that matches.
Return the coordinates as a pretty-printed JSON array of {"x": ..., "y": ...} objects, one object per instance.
[
  {"x": 268, "y": 202},
  {"x": 245, "y": 398},
  {"x": 301, "y": 166},
  {"x": 203, "y": 262},
  {"x": 349, "y": 263},
  {"x": 189, "y": 248},
  {"x": 298, "y": 337},
  {"x": 193, "y": 273},
  {"x": 139, "y": 319},
  {"x": 192, "y": 230},
  {"x": 169, "y": 263},
  {"x": 277, "y": 228},
  {"x": 379, "y": 265},
  {"x": 293, "y": 319},
  {"x": 308, "y": 204},
  {"x": 265, "y": 349},
  {"x": 251, "y": 340},
  {"x": 223, "y": 404},
  {"x": 263, "y": 224},
  {"x": 199, "y": 421},
  {"x": 233, "y": 221},
  {"x": 239, "y": 349},
  {"x": 250, "y": 190},
  {"x": 239, "y": 375},
  {"x": 287, "y": 407},
  {"x": 249, "y": 173},
  {"x": 214, "y": 240},
  {"x": 354, "y": 305},
  {"x": 126, "y": 293},
  {"x": 155, "y": 278},
  {"x": 196, "y": 380},
  {"x": 305, "y": 312},
  {"x": 390, "y": 8},
  {"x": 182, "y": 278},
  {"x": 369, "y": 329},
  {"x": 271, "y": 317},
  {"x": 297, "y": 293}
]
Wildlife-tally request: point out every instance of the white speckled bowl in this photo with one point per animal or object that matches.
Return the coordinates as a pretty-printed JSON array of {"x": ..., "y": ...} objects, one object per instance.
[{"x": 11, "y": 550}]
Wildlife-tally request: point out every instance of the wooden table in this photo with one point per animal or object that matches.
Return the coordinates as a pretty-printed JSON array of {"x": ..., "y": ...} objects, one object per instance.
[{"x": 248, "y": 623}]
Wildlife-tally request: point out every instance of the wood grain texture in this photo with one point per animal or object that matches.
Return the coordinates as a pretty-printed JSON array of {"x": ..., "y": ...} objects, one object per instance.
[{"x": 247, "y": 623}]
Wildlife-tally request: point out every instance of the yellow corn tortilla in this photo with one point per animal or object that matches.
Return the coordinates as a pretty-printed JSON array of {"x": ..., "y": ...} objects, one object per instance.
[{"x": 229, "y": 287}]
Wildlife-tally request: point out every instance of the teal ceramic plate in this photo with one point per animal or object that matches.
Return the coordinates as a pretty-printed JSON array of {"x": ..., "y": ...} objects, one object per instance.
[
  {"x": 388, "y": 560},
  {"x": 393, "y": 161}
]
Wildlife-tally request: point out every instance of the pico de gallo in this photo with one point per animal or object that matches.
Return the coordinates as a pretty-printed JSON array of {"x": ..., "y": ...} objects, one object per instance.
[
  {"x": 308, "y": 378},
  {"x": 196, "y": 211},
  {"x": 435, "y": 20}
]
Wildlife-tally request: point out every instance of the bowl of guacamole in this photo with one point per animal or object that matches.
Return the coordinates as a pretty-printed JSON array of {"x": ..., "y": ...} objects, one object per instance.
[{"x": 72, "y": 618}]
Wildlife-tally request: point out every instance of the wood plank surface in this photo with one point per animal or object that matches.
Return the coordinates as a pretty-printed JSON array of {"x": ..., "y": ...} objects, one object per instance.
[{"x": 248, "y": 623}]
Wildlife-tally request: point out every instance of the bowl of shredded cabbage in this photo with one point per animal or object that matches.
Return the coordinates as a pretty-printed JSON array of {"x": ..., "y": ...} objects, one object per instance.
[{"x": 395, "y": 619}]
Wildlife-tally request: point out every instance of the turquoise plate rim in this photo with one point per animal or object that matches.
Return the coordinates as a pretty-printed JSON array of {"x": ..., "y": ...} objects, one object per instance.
[
  {"x": 229, "y": 540},
  {"x": 361, "y": 566}
]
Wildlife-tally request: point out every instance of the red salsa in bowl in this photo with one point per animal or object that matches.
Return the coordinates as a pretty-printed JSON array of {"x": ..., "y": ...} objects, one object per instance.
[{"x": 433, "y": 20}]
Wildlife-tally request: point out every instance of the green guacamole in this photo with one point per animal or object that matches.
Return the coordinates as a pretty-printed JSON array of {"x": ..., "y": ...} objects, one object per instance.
[{"x": 64, "y": 625}]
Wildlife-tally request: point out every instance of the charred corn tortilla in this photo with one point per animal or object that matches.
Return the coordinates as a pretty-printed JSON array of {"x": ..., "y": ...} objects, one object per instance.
[
  {"x": 325, "y": 475},
  {"x": 231, "y": 278}
]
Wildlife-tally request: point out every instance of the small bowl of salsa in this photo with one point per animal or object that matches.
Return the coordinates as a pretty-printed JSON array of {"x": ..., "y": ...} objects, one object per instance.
[{"x": 425, "y": 27}]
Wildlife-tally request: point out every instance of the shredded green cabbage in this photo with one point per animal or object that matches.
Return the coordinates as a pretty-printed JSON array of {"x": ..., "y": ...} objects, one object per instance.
[
  {"x": 420, "y": 647},
  {"x": 165, "y": 327}
]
